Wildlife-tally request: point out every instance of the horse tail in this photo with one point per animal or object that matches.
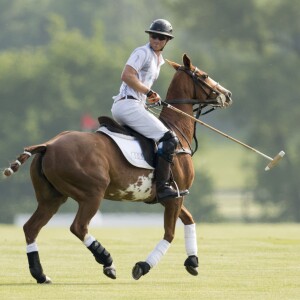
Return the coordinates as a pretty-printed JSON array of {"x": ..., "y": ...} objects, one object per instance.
[{"x": 22, "y": 158}]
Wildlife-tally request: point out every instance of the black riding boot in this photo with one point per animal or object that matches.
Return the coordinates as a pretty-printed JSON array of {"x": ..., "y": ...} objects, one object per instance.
[{"x": 163, "y": 187}]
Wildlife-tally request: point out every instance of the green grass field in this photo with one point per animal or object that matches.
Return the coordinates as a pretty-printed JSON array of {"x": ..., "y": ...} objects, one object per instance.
[{"x": 236, "y": 262}]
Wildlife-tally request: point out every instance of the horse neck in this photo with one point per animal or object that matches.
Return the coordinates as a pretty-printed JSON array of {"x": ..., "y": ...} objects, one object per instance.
[
  {"x": 177, "y": 121},
  {"x": 181, "y": 87}
]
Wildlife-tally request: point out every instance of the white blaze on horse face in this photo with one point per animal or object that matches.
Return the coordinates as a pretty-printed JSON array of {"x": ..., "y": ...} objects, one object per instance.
[{"x": 140, "y": 190}]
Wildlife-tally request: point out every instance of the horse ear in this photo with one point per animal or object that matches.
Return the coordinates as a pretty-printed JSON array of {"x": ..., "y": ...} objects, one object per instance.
[
  {"x": 173, "y": 64},
  {"x": 186, "y": 61}
]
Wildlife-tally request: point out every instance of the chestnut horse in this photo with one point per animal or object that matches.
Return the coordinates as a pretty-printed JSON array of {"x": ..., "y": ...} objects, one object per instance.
[{"x": 89, "y": 167}]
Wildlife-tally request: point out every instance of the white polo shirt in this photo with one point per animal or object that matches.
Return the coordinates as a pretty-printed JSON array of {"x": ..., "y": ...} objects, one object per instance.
[{"x": 147, "y": 65}]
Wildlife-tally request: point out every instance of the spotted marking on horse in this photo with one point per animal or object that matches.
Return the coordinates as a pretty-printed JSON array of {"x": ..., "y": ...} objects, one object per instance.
[{"x": 139, "y": 190}]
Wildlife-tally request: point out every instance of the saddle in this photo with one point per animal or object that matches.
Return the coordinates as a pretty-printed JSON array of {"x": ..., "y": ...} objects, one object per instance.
[{"x": 148, "y": 146}]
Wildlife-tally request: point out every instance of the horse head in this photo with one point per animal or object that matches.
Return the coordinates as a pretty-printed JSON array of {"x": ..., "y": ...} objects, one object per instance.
[{"x": 194, "y": 86}]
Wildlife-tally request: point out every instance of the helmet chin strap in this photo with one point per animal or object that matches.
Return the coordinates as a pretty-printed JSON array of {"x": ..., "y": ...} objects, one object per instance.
[{"x": 164, "y": 45}]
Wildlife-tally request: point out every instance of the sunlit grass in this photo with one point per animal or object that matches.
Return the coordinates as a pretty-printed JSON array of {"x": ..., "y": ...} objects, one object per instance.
[{"x": 236, "y": 262}]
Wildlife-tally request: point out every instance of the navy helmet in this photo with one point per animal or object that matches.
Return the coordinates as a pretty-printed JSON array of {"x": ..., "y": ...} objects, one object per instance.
[{"x": 161, "y": 26}]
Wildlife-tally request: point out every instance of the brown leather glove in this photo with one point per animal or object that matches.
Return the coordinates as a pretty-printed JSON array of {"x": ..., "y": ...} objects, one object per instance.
[{"x": 153, "y": 98}]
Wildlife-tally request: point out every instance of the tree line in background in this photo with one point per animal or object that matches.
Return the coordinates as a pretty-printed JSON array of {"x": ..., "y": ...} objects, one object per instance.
[{"x": 61, "y": 59}]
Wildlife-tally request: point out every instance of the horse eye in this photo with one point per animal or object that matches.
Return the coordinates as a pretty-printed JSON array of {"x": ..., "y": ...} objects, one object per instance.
[{"x": 204, "y": 76}]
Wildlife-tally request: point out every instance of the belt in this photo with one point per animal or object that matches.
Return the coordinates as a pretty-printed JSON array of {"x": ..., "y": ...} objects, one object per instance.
[{"x": 128, "y": 97}]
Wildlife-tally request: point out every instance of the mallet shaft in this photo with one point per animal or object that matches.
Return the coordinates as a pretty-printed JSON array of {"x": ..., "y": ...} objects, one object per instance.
[{"x": 216, "y": 130}]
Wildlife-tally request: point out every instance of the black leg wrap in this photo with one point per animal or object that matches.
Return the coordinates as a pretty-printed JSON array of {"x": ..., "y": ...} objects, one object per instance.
[
  {"x": 191, "y": 265},
  {"x": 141, "y": 268},
  {"x": 35, "y": 267},
  {"x": 101, "y": 255}
]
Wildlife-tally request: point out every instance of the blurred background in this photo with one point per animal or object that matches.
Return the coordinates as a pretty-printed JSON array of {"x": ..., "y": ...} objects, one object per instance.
[{"x": 60, "y": 65}]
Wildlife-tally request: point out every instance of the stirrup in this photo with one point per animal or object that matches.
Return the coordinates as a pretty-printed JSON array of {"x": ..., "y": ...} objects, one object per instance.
[
  {"x": 181, "y": 193},
  {"x": 168, "y": 191}
]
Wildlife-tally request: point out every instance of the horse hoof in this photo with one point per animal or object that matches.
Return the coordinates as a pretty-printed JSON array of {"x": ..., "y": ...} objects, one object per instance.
[
  {"x": 110, "y": 272},
  {"x": 193, "y": 271},
  {"x": 141, "y": 268},
  {"x": 191, "y": 265},
  {"x": 47, "y": 280},
  {"x": 137, "y": 272}
]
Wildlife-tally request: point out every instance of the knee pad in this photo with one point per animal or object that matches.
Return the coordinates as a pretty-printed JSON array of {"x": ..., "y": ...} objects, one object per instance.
[{"x": 167, "y": 145}]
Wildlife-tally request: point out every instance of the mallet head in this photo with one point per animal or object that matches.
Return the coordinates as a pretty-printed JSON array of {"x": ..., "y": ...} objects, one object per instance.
[{"x": 275, "y": 160}]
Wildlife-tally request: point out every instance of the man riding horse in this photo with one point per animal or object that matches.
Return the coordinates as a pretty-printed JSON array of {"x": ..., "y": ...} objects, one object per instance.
[
  {"x": 89, "y": 167},
  {"x": 141, "y": 70}
]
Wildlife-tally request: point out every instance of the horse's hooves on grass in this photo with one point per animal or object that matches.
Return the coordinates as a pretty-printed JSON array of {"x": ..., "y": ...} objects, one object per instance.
[
  {"x": 47, "y": 281},
  {"x": 141, "y": 268},
  {"x": 110, "y": 272},
  {"x": 191, "y": 265}
]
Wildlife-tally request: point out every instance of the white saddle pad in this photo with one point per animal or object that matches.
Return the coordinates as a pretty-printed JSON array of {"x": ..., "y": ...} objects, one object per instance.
[{"x": 130, "y": 148}]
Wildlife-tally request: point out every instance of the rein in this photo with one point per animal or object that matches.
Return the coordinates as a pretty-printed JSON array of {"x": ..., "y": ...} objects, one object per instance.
[
  {"x": 195, "y": 102},
  {"x": 197, "y": 115}
]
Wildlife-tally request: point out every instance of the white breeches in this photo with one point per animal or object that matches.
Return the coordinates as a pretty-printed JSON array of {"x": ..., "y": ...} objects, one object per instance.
[{"x": 132, "y": 113}]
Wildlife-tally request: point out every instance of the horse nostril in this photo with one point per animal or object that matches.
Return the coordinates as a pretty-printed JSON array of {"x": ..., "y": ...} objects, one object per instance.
[{"x": 229, "y": 94}]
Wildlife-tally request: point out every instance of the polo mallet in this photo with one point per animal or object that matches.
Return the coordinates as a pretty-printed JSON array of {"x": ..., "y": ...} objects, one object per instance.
[{"x": 273, "y": 161}]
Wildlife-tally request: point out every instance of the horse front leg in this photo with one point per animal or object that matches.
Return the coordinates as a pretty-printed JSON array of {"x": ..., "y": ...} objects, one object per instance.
[
  {"x": 190, "y": 240},
  {"x": 172, "y": 210}
]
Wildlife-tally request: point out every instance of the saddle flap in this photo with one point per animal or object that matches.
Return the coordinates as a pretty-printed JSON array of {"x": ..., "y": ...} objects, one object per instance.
[{"x": 148, "y": 146}]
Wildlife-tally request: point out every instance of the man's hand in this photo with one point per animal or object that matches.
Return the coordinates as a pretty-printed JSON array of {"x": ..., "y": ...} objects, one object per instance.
[{"x": 153, "y": 98}]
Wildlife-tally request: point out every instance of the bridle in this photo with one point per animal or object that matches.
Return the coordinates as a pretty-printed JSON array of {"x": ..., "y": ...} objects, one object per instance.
[
  {"x": 211, "y": 100},
  {"x": 211, "y": 97}
]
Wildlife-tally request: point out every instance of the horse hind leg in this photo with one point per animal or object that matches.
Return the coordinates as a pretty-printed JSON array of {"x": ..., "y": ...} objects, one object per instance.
[
  {"x": 49, "y": 200},
  {"x": 79, "y": 228},
  {"x": 31, "y": 229}
]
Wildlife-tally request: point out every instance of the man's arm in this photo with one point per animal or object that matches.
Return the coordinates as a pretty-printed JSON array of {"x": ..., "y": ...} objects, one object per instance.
[{"x": 130, "y": 77}]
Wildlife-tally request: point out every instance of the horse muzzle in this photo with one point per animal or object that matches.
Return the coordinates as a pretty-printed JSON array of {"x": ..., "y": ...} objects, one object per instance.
[{"x": 224, "y": 100}]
